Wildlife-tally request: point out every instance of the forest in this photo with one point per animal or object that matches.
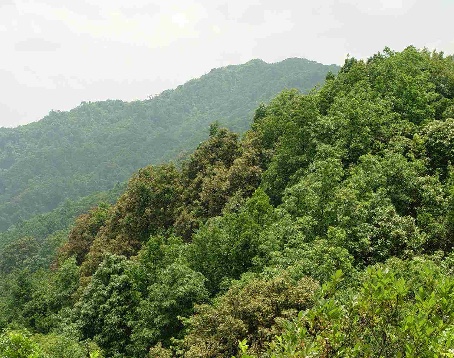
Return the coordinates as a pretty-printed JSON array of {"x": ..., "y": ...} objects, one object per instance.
[
  {"x": 71, "y": 155},
  {"x": 324, "y": 230}
]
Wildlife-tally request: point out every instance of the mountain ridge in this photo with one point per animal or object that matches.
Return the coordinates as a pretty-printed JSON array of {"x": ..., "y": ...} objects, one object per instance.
[{"x": 72, "y": 154}]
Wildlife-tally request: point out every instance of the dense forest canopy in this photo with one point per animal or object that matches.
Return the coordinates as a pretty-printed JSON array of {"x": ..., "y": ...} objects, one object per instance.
[
  {"x": 69, "y": 155},
  {"x": 326, "y": 230}
]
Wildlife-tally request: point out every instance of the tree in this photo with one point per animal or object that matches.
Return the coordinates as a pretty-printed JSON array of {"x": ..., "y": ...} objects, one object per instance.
[
  {"x": 225, "y": 247},
  {"x": 106, "y": 307},
  {"x": 19, "y": 344},
  {"x": 172, "y": 295},
  {"x": 400, "y": 309},
  {"x": 252, "y": 309}
]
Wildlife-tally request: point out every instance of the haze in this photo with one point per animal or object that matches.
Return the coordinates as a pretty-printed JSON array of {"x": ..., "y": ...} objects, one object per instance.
[{"x": 57, "y": 53}]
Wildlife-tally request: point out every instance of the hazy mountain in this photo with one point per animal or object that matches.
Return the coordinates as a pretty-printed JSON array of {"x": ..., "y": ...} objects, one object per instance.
[
  {"x": 326, "y": 230},
  {"x": 68, "y": 155}
]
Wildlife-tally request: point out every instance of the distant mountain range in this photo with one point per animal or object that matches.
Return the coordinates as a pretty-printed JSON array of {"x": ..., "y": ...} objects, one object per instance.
[{"x": 69, "y": 155}]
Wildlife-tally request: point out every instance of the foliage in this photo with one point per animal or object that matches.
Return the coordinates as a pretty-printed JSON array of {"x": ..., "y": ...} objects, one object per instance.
[
  {"x": 226, "y": 246},
  {"x": 43, "y": 225},
  {"x": 168, "y": 290},
  {"x": 104, "y": 311},
  {"x": 250, "y": 309},
  {"x": 438, "y": 141},
  {"x": 58, "y": 346},
  {"x": 19, "y": 344},
  {"x": 83, "y": 233},
  {"x": 68, "y": 155},
  {"x": 400, "y": 309},
  {"x": 338, "y": 204},
  {"x": 172, "y": 296}
]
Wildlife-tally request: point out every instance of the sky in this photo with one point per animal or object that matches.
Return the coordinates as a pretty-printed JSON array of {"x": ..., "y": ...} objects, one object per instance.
[{"x": 57, "y": 53}]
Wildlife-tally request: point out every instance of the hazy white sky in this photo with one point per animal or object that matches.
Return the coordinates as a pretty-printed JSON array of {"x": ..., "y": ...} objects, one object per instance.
[{"x": 57, "y": 53}]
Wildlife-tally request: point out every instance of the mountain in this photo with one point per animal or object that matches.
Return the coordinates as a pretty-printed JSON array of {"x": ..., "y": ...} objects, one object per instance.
[
  {"x": 326, "y": 230},
  {"x": 68, "y": 155}
]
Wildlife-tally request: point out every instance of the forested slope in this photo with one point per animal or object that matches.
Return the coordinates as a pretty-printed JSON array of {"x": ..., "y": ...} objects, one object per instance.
[
  {"x": 68, "y": 155},
  {"x": 61, "y": 218},
  {"x": 326, "y": 230}
]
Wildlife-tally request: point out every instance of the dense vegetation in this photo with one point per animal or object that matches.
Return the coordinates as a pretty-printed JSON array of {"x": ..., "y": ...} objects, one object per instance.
[
  {"x": 61, "y": 218},
  {"x": 326, "y": 230},
  {"x": 68, "y": 155}
]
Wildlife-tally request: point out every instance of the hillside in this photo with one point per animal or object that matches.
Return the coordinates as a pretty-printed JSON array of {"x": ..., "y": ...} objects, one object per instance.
[
  {"x": 68, "y": 155},
  {"x": 61, "y": 218},
  {"x": 326, "y": 230}
]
